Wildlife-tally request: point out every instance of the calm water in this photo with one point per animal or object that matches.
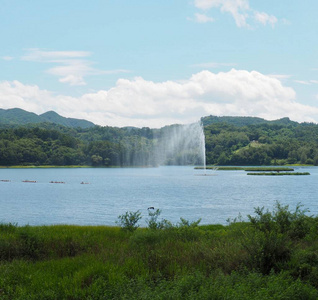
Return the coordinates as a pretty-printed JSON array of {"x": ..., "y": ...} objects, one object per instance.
[{"x": 177, "y": 191}]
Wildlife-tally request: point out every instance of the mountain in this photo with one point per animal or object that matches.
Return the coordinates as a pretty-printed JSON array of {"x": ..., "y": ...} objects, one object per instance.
[
  {"x": 53, "y": 117},
  {"x": 18, "y": 116},
  {"x": 244, "y": 121}
]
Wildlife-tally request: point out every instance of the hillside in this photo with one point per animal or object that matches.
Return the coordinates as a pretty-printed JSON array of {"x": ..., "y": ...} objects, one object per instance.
[
  {"x": 50, "y": 139},
  {"x": 17, "y": 116},
  {"x": 54, "y": 117},
  {"x": 244, "y": 121}
]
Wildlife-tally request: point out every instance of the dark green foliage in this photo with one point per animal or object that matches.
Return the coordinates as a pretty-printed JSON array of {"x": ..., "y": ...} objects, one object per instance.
[
  {"x": 229, "y": 141},
  {"x": 129, "y": 220},
  {"x": 243, "y": 121},
  {"x": 269, "y": 243},
  {"x": 271, "y": 143},
  {"x": 276, "y": 169}
]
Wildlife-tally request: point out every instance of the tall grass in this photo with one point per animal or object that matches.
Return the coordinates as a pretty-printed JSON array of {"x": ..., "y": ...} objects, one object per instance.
[{"x": 271, "y": 256}]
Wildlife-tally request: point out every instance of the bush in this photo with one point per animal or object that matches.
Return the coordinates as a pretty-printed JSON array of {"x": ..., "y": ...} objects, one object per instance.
[
  {"x": 153, "y": 222},
  {"x": 129, "y": 220},
  {"x": 282, "y": 220},
  {"x": 269, "y": 241}
]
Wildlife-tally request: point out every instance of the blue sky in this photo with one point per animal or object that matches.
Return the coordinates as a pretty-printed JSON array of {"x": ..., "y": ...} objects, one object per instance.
[{"x": 152, "y": 63}]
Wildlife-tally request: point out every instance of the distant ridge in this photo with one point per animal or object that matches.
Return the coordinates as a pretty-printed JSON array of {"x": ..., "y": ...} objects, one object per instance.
[
  {"x": 53, "y": 117},
  {"x": 18, "y": 116},
  {"x": 244, "y": 121}
]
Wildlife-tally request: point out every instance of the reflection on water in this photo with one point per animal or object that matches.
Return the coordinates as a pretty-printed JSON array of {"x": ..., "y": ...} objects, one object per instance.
[{"x": 59, "y": 196}]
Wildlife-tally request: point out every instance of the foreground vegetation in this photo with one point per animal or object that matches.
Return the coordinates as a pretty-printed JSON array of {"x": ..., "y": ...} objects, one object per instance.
[{"x": 272, "y": 255}]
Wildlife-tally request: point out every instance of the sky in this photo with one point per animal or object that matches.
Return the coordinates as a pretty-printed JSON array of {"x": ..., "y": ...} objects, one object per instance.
[{"x": 154, "y": 63}]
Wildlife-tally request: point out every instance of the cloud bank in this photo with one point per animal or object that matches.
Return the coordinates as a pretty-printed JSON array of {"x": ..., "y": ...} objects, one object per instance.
[{"x": 140, "y": 102}]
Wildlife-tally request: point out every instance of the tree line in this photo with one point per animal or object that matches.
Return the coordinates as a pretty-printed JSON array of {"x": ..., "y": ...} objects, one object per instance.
[{"x": 226, "y": 144}]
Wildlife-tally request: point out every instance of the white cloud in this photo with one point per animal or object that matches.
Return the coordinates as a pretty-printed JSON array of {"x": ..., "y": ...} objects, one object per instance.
[
  {"x": 202, "y": 18},
  {"x": 72, "y": 66},
  {"x": 306, "y": 82},
  {"x": 7, "y": 58},
  {"x": 140, "y": 102},
  {"x": 239, "y": 9},
  {"x": 280, "y": 76},
  {"x": 302, "y": 82},
  {"x": 39, "y": 55},
  {"x": 72, "y": 79},
  {"x": 265, "y": 19}
]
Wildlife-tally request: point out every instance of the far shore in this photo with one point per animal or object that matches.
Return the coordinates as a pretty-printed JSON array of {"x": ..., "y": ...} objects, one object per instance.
[{"x": 107, "y": 167}]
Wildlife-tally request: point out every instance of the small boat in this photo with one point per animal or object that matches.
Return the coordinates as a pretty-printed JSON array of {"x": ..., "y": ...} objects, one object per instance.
[
  {"x": 32, "y": 181},
  {"x": 5, "y": 180}
]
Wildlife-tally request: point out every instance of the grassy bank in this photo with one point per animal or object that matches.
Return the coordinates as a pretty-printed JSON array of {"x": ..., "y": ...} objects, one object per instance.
[
  {"x": 231, "y": 168},
  {"x": 42, "y": 167},
  {"x": 279, "y": 174},
  {"x": 268, "y": 169},
  {"x": 273, "y": 255}
]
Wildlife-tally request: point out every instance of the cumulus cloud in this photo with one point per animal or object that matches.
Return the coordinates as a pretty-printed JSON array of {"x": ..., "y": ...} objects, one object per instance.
[
  {"x": 72, "y": 66},
  {"x": 239, "y": 9},
  {"x": 141, "y": 102}
]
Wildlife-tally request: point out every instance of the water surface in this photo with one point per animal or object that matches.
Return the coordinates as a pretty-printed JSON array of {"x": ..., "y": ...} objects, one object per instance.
[{"x": 177, "y": 191}]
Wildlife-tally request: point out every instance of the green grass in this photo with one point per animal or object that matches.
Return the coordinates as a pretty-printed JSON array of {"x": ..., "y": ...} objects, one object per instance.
[
  {"x": 270, "y": 256},
  {"x": 231, "y": 168},
  {"x": 221, "y": 168},
  {"x": 277, "y": 169}
]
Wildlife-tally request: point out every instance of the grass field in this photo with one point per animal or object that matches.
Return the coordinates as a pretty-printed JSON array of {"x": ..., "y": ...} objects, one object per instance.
[{"x": 272, "y": 255}]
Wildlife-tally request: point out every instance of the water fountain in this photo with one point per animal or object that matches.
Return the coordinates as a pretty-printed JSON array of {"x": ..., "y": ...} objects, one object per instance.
[
  {"x": 181, "y": 145},
  {"x": 178, "y": 145}
]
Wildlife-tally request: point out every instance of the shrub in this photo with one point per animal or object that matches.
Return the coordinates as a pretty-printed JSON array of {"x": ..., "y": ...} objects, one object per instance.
[
  {"x": 282, "y": 220},
  {"x": 129, "y": 220},
  {"x": 153, "y": 222},
  {"x": 269, "y": 241}
]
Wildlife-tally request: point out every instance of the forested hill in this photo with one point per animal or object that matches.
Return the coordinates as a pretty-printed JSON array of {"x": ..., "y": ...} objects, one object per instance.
[
  {"x": 17, "y": 116},
  {"x": 262, "y": 144},
  {"x": 244, "y": 121},
  {"x": 229, "y": 141}
]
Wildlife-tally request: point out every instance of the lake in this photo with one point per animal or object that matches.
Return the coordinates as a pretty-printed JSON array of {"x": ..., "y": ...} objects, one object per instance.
[{"x": 177, "y": 191}]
